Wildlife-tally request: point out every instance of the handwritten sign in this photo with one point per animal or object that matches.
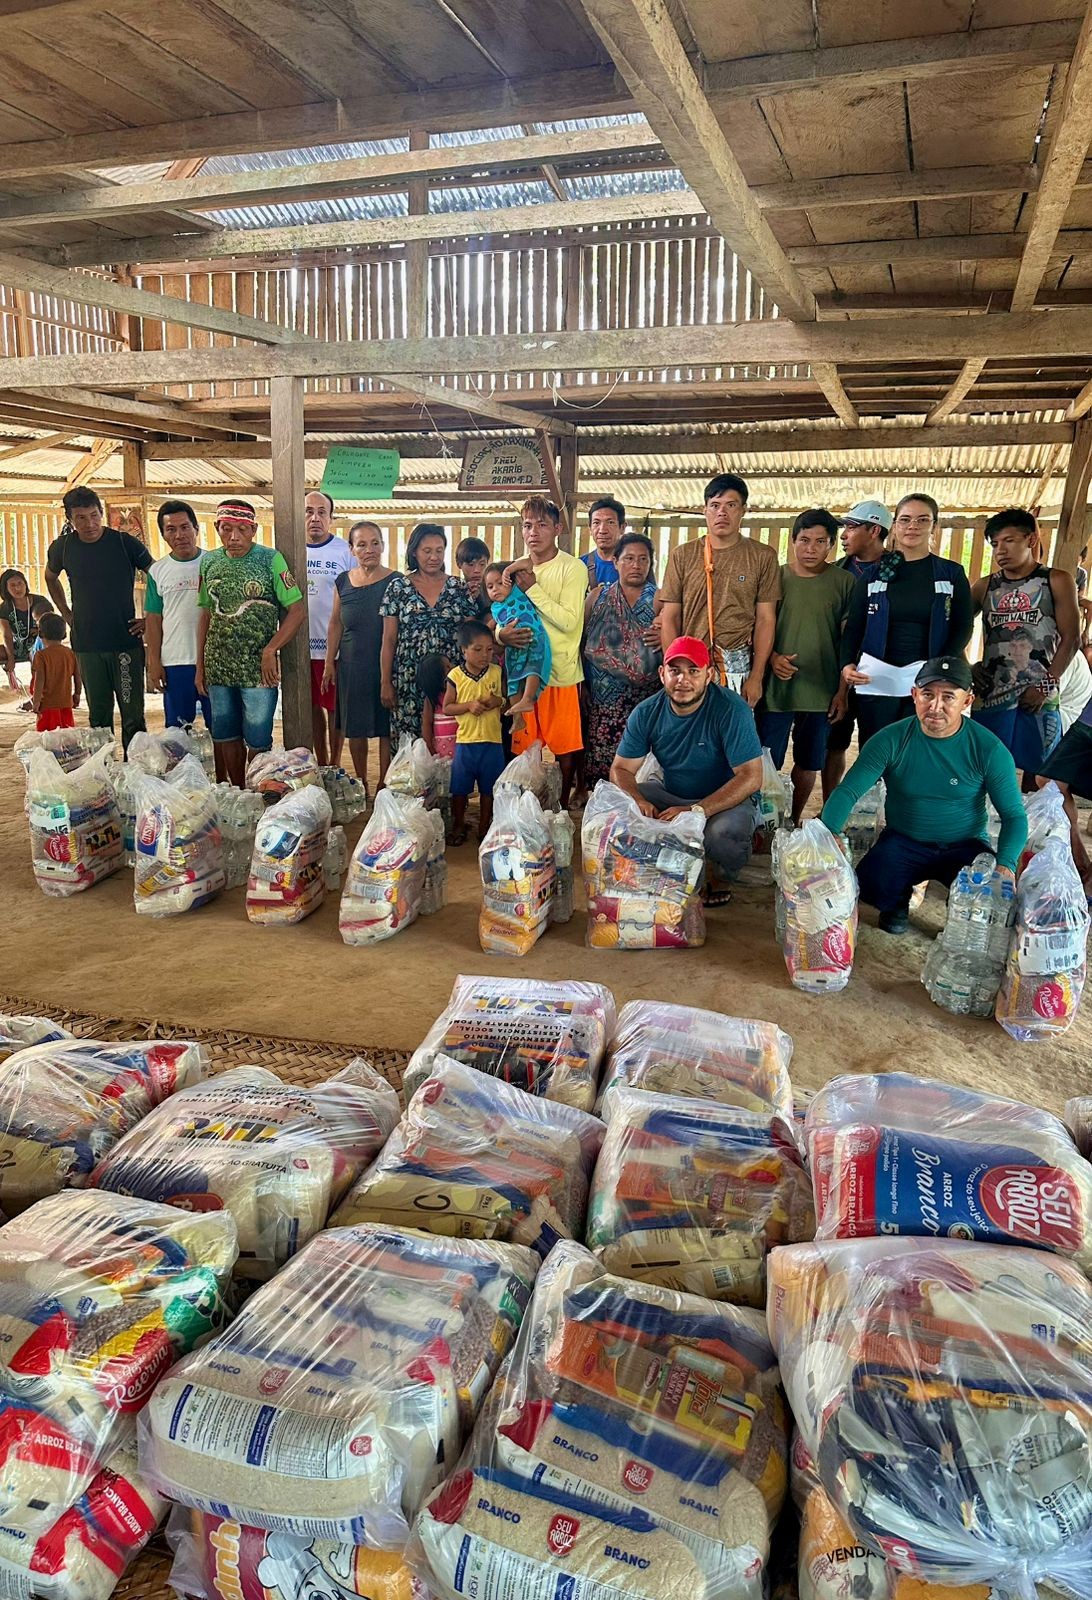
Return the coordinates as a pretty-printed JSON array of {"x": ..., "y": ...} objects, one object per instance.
[
  {"x": 352, "y": 474},
  {"x": 514, "y": 465}
]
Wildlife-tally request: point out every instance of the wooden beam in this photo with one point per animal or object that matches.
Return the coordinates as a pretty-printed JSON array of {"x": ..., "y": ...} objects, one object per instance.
[
  {"x": 417, "y": 269},
  {"x": 1061, "y": 169},
  {"x": 914, "y": 252},
  {"x": 826, "y": 376},
  {"x": 557, "y": 494},
  {"x": 886, "y": 188},
  {"x": 29, "y": 447},
  {"x": 289, "y": 488},
  {"x": 966, "y": 380},
  {"x": 162, "y": 414},
  {"x": 134, "y": 479},
  {"x": 1072, "y": 519},
  {"x": 1081, "y": 405},
  {"x": 1045, "y": 477},
  {"x": 90, "y": 463}
]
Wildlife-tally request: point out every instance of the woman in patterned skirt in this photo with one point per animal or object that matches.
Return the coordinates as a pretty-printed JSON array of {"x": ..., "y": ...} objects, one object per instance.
[{"x": 421, "y": 609}]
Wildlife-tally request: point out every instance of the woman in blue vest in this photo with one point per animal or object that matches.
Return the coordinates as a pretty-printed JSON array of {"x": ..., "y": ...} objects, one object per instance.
[{"x": 916, "y": 607}]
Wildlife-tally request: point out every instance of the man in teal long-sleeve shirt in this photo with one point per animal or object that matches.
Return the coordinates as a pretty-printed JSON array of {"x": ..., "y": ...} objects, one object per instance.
[{"x": 939, "y": 768}]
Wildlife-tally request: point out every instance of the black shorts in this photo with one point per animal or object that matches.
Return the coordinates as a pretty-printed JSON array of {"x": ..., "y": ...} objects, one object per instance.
[
  {"x": 1071, "y": 761},
  {"x": 840, "y": 733}
]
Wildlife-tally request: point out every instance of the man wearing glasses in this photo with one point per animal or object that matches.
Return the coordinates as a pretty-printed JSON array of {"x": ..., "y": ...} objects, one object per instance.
[{"x": 863, "y": 532}]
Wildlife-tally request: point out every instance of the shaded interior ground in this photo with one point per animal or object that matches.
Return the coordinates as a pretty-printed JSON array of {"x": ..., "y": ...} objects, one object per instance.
[{"x": 212, "y": 969}]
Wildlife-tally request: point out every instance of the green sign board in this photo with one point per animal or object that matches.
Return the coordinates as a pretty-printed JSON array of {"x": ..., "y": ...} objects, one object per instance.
[{"x": 353, "y": 474}]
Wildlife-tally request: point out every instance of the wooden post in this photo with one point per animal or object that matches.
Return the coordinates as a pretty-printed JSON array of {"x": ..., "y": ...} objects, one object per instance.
[
  {"x": 568, "y": 482},
  {"x": 417, "y": 251},
  {"x": 1072, "y": 522},
  {"x": 289, "y": 536}
]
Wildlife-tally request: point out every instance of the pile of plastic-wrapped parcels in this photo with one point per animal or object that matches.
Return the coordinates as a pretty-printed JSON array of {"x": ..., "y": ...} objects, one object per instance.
[
  {"x": 642, "y": 877},
  {"x": 526, "y": 857}
]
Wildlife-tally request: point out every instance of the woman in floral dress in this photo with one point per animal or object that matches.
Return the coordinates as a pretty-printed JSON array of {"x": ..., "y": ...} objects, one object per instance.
[
  {"x": 421, "y": 609},
  {"x": 621, "y": 652}
]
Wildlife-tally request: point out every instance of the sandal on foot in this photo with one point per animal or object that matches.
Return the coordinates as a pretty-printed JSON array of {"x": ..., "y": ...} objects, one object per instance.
[
  {"x": 459, "y": 836},
  {"x": 711, "y": 898}
]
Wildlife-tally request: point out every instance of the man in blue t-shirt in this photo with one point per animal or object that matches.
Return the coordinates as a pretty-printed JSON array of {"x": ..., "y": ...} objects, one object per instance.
[
  {"x": 607, "y": 521},
  {"x": 705, "y": 740}
]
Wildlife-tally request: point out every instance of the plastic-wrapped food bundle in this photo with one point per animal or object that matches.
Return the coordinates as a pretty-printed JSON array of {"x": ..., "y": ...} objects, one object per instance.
[
  {"x": 546, "y": 1038},
  {"x": 71, "y": 746},
  {"x": 562, "y": 832},
  {"x": 179, "y": 856},
  {"x": 286, "y": 881},
  {"x": 1047, "y": 821},
  {"x": 434, "y": 892},
  {"x": 413, "y": 772},
  {"x": 516, "y": 859},
  {"x": 240, "y": 811},
  {"x": 897, "y": 1154},
  {"x": 343, "y": 1389},
  {"x": 1044, "y": 975},
  {"x": 75, "y": 830},
  {"x": 336, "y": 859},
  {"x": 1078, "y": 1119},
  {"x": 963, "y": 969},
  {"x": 942, "y": 1390},
  {"x": 820, "y": 894},
  {"x": 99, "y": 1294},
  {"x": 277, "y": 1156},
  {"x": 348, "y": 796},
  {"x": 64, "y": 1105},
  {"x": 386, "y": 876},
  {"x": 865, "y": 822},
  {"x": 534, "y": 771},
  {"x": 19, "y": 1032},
  {"x": 123, "y": 780},
  {"x": 692, "y": 1195},
  {"x": 774, "y": 804},
  {"x": 680, "y": 1050},
  {"x": 634, "y": 1445},
  {"x": 641, "y": 877},
  {"x": 275, "y": 772},
  {"x": 476, "y": 1158},
  {"x": 157, "y": 754}
]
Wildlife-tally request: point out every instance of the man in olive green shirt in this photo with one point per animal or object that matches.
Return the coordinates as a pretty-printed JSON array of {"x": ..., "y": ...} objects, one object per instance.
[{"x": 804, "y": 681}]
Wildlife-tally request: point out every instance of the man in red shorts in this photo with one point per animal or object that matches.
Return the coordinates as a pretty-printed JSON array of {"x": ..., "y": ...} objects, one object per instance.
[{"x": 327, "y": 556}]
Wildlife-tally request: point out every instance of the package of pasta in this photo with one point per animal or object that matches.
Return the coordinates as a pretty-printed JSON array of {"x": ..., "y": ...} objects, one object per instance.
[
  {"x": 71, "y": 746},
  {"x": 75, "y": 829},
  {"x": 479, "y": 1159},
  {"x": 99, "y": 1295},
  {"x": 19, "y": 1032},
  {"x": 693, "y": 1195},
  {"x": 413, "y": 772},
  {"x": 386, "y": 877},
  {"x": 516, "y": 859},
  {"x": 286, "y": 881},
  {"x": 941, "y": 1388},
  {"x": 344, "y": 1389},
  {"x": 898, "y": 1154},
  {"x": 634, "y": 1445},
  {"x": 64, "y": 1104},
  {"x": 819, "y": 889},
  {"x": 546, "y": 1038},
  {"x": 1044, "y": 975},
  {"x": 641, "y": 877},
  {"x": 277, "y": 772},
  {"x": 278, "y": 1156},
  {"x": 682, "y": 1050},
  {"x": 534, "y": 771},
  {"x": 179, "y": 851}
]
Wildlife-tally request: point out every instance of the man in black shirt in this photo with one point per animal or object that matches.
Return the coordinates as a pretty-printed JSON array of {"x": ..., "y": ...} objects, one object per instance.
[
  {"x": 101, "y": 565},
  {"x": 864, "y": 530}
]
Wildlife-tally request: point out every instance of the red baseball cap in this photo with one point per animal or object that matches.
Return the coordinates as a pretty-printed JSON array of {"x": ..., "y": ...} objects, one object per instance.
[{"x": 693, "y": 649}]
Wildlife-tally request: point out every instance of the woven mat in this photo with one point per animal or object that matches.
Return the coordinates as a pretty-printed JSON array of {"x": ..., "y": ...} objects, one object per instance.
[{"x": 295, "y": 1061}]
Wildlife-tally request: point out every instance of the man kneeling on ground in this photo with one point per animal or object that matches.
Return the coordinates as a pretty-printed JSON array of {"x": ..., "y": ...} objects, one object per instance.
[
  {"x": 939, "y": 768},
  {"x": 705, "y": 740}
]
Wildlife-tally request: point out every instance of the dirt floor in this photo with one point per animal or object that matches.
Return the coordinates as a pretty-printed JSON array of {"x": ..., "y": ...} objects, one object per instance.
[{"x": 213, "y": 969}]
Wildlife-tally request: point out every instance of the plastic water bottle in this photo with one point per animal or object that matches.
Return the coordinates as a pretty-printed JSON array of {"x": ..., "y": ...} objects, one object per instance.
[
  {"x": 963, "y": 969},
  {"x": 865, "y": 822},
  {"x": 336, "y": 858}
]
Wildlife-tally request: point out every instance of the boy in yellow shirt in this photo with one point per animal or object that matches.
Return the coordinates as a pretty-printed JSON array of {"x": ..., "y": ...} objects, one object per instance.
[{"x": 473, "y": 697}]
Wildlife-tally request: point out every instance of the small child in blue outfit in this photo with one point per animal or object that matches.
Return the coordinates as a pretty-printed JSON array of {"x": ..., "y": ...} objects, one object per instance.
[{"x": 527, "y": 669}]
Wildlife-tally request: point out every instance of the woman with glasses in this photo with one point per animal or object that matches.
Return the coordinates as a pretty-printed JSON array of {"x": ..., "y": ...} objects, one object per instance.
[{"x": 916, "y": 607}]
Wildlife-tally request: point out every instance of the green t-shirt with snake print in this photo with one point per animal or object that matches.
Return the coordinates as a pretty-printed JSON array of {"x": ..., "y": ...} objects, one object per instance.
[{"x": 244, "y": 596}]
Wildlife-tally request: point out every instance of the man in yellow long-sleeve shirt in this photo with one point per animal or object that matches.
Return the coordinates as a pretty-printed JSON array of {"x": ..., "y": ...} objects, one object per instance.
[{"x": 555, "y": 583}]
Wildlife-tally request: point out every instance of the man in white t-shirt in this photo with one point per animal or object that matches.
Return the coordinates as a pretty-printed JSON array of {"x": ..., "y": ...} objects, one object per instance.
[
  {"x": 170, "y": 613},
  {"x": 327, "y": 557}
]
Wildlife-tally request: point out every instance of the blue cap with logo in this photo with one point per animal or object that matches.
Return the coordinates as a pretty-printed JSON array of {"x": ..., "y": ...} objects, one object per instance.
[{"x": 870, "y": 511}]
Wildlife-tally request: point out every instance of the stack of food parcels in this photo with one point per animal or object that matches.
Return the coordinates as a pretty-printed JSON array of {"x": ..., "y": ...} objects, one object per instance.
[
  {"x": 434, "y": 888},
  {"x": 179, "y": 856},
  {"x": 642, "y": 878},
  {"x": 276, "y": 772},
  {"x": 19, "y": 1032},
  {"x": 386, "y": 877},
  {"x": 71, "y": 746},
  {"x": 287, "y": 881},
  {"x": 774, "y": 803},
  {"x": 634, "y": 1445},
  {"x": 866, "y": 821},
  {"x": 278, "y": 1156},
  {"x": 63, "y": 1105},
  {"x": 819, "y": 897},
  {"x": 477, "y": 1158},
  {"x": 348, "y": 796},
  {"x": 546, "y": 1038},
  {"x": 693, "y": 1195},
  {"x": 680, "y": 1050},
  {"x": 239, "y": 811},
  {"x": 152, "y": 755},
  {"x": 534, "y": 771},
  {"x": 75, "y": 830},
  {"x": 305, "y": 1437},
  {"x": 516, "y": 859},
  {"x": 1044, "y": 975},
  {"x": 562, "y": 833},
  {"x": 99, "y": 1294},
  {"x": 964, "y": 965},
  {"x": 416, "y": 774}
]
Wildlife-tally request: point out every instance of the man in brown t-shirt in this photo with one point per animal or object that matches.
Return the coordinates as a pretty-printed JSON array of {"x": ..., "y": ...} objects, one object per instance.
[{"x": 746, "y": 589}]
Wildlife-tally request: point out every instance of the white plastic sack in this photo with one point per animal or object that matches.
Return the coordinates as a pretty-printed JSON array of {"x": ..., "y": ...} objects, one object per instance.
[
  {"x": 75, "y": 830},
  {"x": 386, "y": 876},
  {"x": 286, "y": 880}
]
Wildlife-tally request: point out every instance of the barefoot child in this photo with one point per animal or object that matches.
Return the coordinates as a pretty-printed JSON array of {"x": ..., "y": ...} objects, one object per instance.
[
  {"x": 527, "y": 669},
  {"x": 54, "y": 677},
  {"x": 474, "y": 699}
]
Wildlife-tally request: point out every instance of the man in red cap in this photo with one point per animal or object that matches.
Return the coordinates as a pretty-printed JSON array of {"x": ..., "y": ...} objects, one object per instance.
[{"x": 704, "y": 738}]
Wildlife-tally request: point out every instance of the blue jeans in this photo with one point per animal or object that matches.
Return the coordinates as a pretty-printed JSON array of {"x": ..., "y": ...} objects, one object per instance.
[
  {"x": 1028, "y": 736},
  {"x": 889, "y": 871},
  {"x": 180, "y": 698},
  {"x": 245, "y": 714}
]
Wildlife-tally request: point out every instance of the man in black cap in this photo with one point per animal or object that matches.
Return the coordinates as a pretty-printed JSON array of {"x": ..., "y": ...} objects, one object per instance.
[{"x": 939, "y": 768}]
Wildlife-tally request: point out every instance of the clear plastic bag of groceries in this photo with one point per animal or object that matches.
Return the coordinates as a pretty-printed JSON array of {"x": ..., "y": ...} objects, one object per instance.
[
  {"x": 1046, "y": 821},
  {"x": 64, "y": 1104},
  {"x": 275, "y": 772},
  {"x": 774, "y": 804},
  {"x": 1044, "y": 975},
  {"x": 477, "y": 1158},
  {"x": 642, "y": 878},
  {"x": 674, "y": 1049},
  {"x": 941, "y": 1387},
  {"x": 75, "y": 830},
  {"x": 179, "y": 853},
  {"x": 344, "y": 1389},
  {"x": 277, "y": 1156},
  {"x": 693, "y": 1195},
  {"x": 892, "y": 1153},
  {"x": 534, "y": 771},
  {"x": 20, "y": 1032},
  {"x": 386, "y": 876},
  {"x": 434, "y": 890},
  {"x": 99, "y": 1294},
  {"x": 71, "y": 746},
  {"x": 546, "y": 1038},
  {"x": 157, "y": 754},
  {"x": 516, "y": 861},
  {"x": 286, "y": 881},
  {"x": 1078, "y": 1119},
  {"x": 562, "y": 834},
  {"x": 412, "y": 772},
  {"x": 633, "y": 1445},
  {"x": 820, "y": 899}
]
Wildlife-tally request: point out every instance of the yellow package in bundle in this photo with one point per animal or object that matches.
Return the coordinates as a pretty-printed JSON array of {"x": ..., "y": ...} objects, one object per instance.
[
  {"x": 75, "y": 828},
  {"x": 518, "y": 871}
]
